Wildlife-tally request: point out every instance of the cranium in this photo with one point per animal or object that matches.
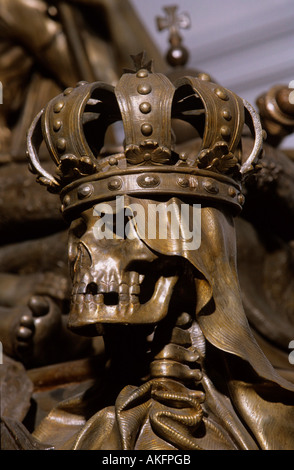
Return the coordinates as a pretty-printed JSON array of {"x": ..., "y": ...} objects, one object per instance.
[{"x": 116, "y": 280}]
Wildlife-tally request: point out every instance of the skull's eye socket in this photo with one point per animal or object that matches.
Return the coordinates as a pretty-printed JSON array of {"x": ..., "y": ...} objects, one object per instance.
[{"x": 83, "y": 259}]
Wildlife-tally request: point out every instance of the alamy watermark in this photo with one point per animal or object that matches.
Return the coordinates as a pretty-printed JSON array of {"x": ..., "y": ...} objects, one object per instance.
[
  {"x": 1, "y": 93},
  {"x": 1, "y": 353},
  {"x": 149, "y": 221}
]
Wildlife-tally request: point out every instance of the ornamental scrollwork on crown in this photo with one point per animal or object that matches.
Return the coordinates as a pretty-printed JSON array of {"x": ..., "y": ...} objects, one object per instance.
[
  {"x": 218, "y": 159},
  {"x": 71, "y": 167},
  {"x": 148, "y": 152}
]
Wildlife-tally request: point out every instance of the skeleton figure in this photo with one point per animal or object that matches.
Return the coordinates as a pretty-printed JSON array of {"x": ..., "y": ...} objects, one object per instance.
[{"x": 184, "y": 371}]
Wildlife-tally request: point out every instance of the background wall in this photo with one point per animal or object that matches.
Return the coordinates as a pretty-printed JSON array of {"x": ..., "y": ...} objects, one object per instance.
[{"x": 246, "y": 45}]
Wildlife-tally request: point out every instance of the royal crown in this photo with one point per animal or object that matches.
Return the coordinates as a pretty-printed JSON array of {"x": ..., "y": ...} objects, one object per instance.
[{"x": 73, "y": 126}]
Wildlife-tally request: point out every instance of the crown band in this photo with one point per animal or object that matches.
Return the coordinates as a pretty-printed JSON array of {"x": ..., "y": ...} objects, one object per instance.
[{"x": 153, "y": 182}]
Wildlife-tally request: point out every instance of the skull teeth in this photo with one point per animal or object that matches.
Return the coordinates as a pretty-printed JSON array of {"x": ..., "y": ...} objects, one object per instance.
[
  {"x": 95, "y": 291},
  {"x": 102, "y": 293},
  {"x": 134, "y": 289},
  {"x": 89, "y": 309},
  {"x": 99, "y": 298},
  {"x": 113, "y": 284},
  {"x": 134, "y": 278},
  {"x": 81, "y": 288},
  {"x": 123, "y": 289},
  {"x": 124, "y": 298}
]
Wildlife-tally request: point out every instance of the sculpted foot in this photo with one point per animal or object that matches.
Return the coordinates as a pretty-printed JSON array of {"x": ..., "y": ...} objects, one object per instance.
[{"x": 38, "y": 330}]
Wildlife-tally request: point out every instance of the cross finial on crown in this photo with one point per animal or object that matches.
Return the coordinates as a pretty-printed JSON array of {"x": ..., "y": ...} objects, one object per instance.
[
  {"x": 177, "y": 55},
  {"x": 139, "y": 61},
  {"x": 173, "y": 22}
]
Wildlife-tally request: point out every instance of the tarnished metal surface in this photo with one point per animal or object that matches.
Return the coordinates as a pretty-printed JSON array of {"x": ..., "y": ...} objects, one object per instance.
[
  {"x": 159, "y": 353},
  {"x": 135, "y": 287}
]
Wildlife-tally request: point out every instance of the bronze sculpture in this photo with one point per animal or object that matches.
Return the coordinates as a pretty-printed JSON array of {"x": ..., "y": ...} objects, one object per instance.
[
  {"x": 192, "y": 309},
  {"x": 185, "y": 370}
]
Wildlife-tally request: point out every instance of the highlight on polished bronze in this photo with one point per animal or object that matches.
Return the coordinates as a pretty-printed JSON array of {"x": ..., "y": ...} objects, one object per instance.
[{"x": 157, "y": 336}]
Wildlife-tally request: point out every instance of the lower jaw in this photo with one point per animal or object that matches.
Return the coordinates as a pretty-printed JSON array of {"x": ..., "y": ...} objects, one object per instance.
[{"x": 87, "y": 317}]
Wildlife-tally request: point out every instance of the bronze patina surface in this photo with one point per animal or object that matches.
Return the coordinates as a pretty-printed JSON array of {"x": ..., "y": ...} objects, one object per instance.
[{"x": 146, "y": 341}]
